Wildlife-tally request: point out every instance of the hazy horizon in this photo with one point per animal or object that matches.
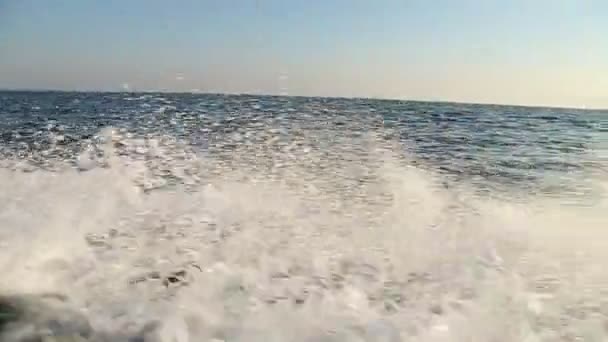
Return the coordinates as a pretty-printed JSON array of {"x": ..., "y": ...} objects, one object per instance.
[
  {"x": 546, "y": 53},
  {"x": 136, "y": 91}
]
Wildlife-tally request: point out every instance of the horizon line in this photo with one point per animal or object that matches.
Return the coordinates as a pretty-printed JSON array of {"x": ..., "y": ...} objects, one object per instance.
[{"x": 138, "y": 91}]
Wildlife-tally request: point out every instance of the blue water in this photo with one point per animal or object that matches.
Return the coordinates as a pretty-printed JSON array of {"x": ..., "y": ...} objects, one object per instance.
[
  {"x": 183, "y": 217},
  {"x": 538, "y": 149}
]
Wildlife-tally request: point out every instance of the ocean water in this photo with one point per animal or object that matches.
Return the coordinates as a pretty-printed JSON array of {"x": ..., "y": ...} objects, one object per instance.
[{"x": 181, "y": 217}]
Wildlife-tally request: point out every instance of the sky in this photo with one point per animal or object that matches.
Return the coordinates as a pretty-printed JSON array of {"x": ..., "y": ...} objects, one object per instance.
[{"x": 529, "y": 52}]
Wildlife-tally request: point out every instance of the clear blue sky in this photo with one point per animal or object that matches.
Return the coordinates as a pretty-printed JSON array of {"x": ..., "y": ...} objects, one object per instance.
[{"x": 552, "y": 52}]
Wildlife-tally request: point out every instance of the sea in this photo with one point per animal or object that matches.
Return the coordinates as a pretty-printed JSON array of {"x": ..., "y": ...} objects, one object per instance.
[{"x": 173, "y": 217}]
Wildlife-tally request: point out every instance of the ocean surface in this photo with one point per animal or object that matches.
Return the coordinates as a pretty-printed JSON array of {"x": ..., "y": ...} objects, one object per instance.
[{"x": 191, "y": 217}]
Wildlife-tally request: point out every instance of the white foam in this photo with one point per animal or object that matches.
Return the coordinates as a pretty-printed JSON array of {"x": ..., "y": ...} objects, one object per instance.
[{"x": 301, "y": 251}]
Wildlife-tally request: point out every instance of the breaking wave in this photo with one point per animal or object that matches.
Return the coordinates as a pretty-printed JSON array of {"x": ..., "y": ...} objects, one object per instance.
[{"x": 323, "y": 237}]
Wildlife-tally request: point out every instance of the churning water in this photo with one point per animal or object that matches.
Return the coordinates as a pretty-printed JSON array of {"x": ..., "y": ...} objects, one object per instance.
[{"x": 178, "y": 218}]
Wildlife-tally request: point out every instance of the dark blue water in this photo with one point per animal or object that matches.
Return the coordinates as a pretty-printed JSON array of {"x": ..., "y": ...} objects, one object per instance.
[{"x": 536, "y": 149}]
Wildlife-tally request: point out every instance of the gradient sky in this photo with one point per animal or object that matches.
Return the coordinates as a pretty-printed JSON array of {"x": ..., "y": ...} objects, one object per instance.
[{"x": 538, "y": 52}]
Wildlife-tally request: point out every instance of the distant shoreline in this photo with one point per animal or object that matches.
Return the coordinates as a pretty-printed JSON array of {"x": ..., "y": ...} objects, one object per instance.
[{"x": 296, "y": 96}]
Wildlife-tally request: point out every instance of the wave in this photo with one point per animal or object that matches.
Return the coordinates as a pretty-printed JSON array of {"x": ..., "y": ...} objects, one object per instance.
[{"x": 315, "y": 239}]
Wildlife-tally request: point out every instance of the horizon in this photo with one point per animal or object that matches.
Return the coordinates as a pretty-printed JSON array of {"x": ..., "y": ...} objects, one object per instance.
[
  {"x": 6, "y": 90},
  {"x": 410, "y": 50}
]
